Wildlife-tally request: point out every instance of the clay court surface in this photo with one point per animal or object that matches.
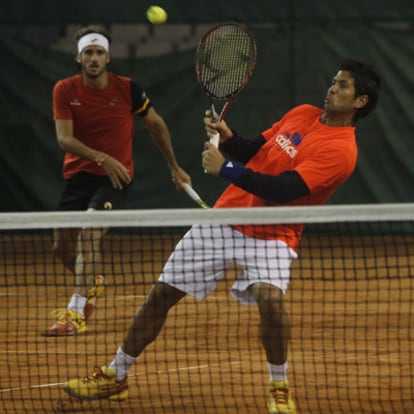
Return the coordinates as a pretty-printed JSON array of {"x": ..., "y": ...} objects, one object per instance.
[{"x": 350, "y": 304}]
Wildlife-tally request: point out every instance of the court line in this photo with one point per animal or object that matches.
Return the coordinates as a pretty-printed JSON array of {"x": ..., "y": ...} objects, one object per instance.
[
  {"x": 11, "y": 294},
  {"x": 15, "y": 351},
  {"x": 158, "y": 372},
  {"x": 208, "y": 298}
]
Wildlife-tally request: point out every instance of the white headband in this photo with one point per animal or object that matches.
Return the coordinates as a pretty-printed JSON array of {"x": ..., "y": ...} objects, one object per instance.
[{"x": 93, "y": 39}]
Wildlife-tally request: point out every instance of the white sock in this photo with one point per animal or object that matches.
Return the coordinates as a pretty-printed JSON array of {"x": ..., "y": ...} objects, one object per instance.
[
  {"x": 121, "y": 364},
  {"x": 77, "y": 303},
  {"x": 277, "y": 372}
]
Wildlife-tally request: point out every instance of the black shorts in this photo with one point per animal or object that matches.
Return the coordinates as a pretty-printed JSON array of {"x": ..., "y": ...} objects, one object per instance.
[{"x": 85, "y": 191}]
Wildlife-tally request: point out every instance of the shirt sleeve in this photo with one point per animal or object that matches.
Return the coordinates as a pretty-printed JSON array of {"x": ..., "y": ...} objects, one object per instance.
[
  {"x": 242, "y": 149},
  {"x": 282, "y": 188},
  {"x": 140, "y": 101},
  {"x": 328, "y": 168},
  {"x": 61, "y": 107}
]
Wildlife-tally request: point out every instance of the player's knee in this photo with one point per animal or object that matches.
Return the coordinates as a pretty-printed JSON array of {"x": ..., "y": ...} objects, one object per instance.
[
  {"x": 269, "y": 298},
  {"x": 64, "y": 253},
  {"x": 163, "y": 297},
  {"x": 57, "y": 249},
  {"x": 266, "y": 293}
]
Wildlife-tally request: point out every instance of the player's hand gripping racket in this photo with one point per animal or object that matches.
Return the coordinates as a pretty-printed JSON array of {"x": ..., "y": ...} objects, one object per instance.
[{"x": 225, "y": 59}]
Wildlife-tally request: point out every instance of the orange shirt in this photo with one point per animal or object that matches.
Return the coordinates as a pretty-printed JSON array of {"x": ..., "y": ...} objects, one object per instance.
[
  {"x": 102, "y": 119},
  {"x": 323, "y": 156}
]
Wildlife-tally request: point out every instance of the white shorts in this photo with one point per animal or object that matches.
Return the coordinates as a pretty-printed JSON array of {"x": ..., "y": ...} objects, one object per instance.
[{"x": 200, "y": 259}]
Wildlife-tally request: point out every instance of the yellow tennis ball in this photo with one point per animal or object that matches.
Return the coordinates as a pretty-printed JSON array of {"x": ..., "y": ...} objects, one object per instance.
[{"x": 156, "y": 15}]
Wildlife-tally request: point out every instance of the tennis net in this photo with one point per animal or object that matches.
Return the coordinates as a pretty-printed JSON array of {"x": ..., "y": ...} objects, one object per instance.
[{"x": 350, "y": 303}]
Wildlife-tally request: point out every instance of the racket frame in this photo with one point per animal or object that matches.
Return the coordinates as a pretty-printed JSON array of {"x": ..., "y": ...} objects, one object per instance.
[{"x": 231, "y": 96}]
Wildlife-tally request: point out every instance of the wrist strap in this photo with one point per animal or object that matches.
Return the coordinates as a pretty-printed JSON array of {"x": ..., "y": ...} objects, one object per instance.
[{"x": 231, "y": 170}]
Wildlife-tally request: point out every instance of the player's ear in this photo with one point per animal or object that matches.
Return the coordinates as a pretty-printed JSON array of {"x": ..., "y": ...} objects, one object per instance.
[
  {"x": 77, "y": 58},
  {"x": 361, "y": 101}
]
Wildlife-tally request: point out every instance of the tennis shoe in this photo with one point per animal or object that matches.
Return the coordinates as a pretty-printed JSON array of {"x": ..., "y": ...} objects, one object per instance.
[
  {"x": 68, "y": 322},
  {"x": 279, "y": 401},
  {"x": 101, "y": 384},
  {"x": 93, "y": 295}
]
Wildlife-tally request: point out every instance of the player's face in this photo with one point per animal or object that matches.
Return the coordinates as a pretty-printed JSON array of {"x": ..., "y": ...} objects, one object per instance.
[
  {"x": 93, "y": 61},
  {"x": 341, "y": 97}
]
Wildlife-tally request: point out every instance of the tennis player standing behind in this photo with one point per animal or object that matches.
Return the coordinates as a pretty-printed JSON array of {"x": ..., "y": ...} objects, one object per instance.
[
  {"x": 300, "y": 160},
  {"x": 94, "y": 116}
]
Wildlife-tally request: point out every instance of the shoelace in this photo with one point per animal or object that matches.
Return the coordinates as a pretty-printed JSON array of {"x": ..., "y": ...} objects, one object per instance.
[
  {"x": 280, "y": 395},
  {"x": 63, "y": 314},
  {"x": 95, "y": 376}
]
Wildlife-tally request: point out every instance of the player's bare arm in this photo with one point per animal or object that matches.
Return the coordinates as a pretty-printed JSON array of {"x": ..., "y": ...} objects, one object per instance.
[
  {"x": 160, "y": 135},
  {"x": 116, "y": 171}
]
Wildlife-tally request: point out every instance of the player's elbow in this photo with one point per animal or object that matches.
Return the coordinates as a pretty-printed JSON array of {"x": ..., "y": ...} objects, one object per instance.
[{"x": 64, "y": 143}]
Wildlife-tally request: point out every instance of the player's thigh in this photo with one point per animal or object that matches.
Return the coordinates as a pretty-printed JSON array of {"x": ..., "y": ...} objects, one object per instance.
[
  {"x": 92, "y": 192},
  {"x": 106, "y": 197},
  {"x": 197, "y": 263},
  {"x": 263, "y": 261},
  {"x": 77, "y": 192}
]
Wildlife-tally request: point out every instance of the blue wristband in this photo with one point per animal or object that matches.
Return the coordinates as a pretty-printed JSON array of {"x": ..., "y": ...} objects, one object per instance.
[{"x": 231, "y": 170}]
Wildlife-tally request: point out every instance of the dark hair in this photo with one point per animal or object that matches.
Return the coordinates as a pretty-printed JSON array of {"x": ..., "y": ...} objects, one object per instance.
[
  {"x": 92, "y": 29},
  {"x": 366, "y": 82}
]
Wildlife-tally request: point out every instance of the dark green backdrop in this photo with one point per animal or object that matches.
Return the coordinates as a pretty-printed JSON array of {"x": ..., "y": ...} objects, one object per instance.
[
  {"x": 85, "y": 11},
  {"x": 296, "y": 61}
]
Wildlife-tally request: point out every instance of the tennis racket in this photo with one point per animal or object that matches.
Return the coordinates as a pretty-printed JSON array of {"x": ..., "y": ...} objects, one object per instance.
[
  {"x": 194, "y": 195},
  {"x": 225, "y": 60}
]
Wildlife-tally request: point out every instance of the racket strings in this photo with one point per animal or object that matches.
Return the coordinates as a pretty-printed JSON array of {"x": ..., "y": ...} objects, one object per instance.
[{"x": 226, "y": 57}]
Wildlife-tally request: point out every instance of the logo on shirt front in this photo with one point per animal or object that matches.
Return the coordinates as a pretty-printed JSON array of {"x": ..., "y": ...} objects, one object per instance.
[
  {"x": 75, "y": 102},
  {"x": 296, "y": 138},
  {"x": 289, "y": 143}
]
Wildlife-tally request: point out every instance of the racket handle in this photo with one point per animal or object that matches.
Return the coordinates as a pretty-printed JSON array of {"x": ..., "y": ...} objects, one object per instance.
[
  {"x": 194, "y": 195},
  {"x": 215, "y": 139}
]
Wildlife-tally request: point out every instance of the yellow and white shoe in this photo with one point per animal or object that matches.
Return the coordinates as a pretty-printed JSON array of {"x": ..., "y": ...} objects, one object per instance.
[
  {"x": 279, "y": 400},
  {"x": 101, "y": 384},
  {"x": 68, "y": 322}
]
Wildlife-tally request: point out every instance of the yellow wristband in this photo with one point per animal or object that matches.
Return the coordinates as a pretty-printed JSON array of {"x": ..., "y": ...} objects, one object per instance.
[{"x": 101, "y": 159}]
